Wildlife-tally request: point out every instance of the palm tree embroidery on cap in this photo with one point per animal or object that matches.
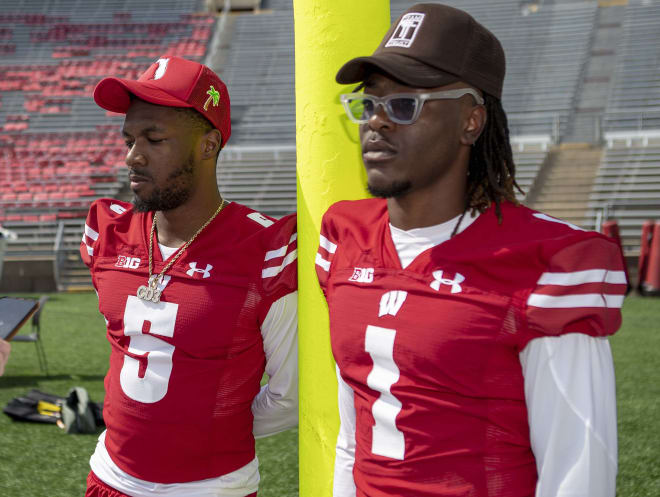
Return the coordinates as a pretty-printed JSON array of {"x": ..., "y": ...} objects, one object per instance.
[{"x": 214, "y": 96}]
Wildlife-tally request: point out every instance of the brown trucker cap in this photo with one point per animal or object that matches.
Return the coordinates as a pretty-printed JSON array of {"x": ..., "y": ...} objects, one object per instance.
[{"x": 433, "y": 45}]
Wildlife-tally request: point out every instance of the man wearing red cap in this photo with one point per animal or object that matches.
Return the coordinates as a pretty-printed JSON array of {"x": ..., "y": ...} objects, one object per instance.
[
  {"x": 199, "y": 297},
  {"x": 469, "y": 331}
]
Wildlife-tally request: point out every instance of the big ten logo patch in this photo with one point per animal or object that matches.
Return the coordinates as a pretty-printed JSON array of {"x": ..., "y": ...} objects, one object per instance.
[
  {"x": 128, "y": 262},
  {"x": 362, "y": 275}
]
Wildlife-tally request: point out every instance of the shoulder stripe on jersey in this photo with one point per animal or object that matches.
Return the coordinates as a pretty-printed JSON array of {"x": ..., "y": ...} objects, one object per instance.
[
  {"x": 274, "y": 271},
  {"x": 261, "y": 219},
  {"x": 582, "y": 277},
  {"x": 545, "y": 217},
  {"x": 328, "y": 245},
  {"x": 320, "y": 261},
  {"x": 280, "y": 252},
  {"x": 574, "y": 301},
  {"x": 117, "y": 209},
  {"x": 91, "y": 233}
]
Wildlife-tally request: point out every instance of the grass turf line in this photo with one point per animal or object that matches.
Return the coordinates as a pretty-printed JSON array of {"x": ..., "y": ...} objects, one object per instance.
[{"x": 38, "y": 460}]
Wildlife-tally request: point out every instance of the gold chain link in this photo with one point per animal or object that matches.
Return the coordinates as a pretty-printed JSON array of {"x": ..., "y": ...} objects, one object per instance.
[{"x": 154, "y": 282}]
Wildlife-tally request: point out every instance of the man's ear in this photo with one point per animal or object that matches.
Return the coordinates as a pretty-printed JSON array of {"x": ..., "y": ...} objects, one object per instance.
[
  {"x": 211, "y": 143},
  {"x": 474, "y": 125}
]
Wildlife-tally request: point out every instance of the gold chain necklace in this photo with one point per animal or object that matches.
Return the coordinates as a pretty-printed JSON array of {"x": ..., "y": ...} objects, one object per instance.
[{"x": 150, "y": 291}]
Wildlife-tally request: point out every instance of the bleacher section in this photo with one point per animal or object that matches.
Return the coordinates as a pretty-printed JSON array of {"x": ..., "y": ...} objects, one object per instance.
[
  {"x": 260, "y": 78},
  {"x": 263, "y": 177},
  {"x": 627, "y": 187},
  {"x": 634, "y": 100},
  {"x": 58, "y": 150},
  {"x": 55, "y": 176}
]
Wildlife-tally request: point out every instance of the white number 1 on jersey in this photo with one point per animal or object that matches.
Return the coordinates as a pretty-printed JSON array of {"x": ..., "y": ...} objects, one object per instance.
[{"x": 387, "y": 439}]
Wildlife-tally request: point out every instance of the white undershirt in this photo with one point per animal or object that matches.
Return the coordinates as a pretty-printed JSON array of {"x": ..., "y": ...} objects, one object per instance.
[
  {"x": 569, "y": 393},
  {"x": 274, "y": 410}
]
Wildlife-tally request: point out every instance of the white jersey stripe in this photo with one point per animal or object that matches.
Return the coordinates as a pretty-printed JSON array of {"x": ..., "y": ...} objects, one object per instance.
[
  {"x": 280, "y": 252},
  {"x": 320, "y": 261},
  {"x": 274, "y": 254},
  {"x": 545, "y": 217},
  {"x": 269, "y": 272},
  {"x": 575, "y": 301},
  {"x": 328, "y": 245},
  {"x": 91, "y": 233},
  {"x": 582, "y": 277},
  {"x": 90, "y": 250}
]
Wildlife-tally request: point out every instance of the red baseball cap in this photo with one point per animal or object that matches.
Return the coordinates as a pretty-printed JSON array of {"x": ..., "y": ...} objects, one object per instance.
[{"x": 173, "y": 82}]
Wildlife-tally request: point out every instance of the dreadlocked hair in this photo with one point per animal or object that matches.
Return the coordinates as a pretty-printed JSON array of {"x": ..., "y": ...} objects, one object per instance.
[{"x": 491, "y": 171}]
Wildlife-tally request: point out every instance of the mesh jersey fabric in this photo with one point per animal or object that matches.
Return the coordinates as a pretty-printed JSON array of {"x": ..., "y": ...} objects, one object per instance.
[
  {"x": 183, "y": 372},
  {"x": 431, "y": 352}
]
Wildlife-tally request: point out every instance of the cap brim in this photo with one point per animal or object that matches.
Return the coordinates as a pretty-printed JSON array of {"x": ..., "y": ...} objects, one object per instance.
[
  {"x": 114, "y": 94},
  {"x": 405, "y": 69}
]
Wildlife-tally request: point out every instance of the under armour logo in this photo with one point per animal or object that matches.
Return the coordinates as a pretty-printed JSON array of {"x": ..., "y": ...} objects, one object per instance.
[
  {"x": 362, "y": 275},
  {"x": 406, "y": 30},
  {"x": 454, "y": 284},
  {"x": 204, "y": 272}
]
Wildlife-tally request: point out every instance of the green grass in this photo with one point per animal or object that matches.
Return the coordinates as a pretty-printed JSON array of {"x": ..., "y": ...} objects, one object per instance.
[
  {"x": 38, "y": 460},
  {"x": 636, "y": 350}
]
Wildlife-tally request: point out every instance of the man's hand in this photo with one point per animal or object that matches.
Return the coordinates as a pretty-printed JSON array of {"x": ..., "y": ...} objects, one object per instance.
[{"x": 5, "y": 348}]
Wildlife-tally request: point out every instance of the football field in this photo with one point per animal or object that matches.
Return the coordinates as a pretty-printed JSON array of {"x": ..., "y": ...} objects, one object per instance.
[{"x": 39, "y": 460}]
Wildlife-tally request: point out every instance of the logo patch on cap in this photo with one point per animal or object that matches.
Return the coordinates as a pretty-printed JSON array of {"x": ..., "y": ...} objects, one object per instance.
[
  {"x": 406, "y": 30},
  {"x": 214, "y": 96},
  {"x": 162, "y": 67}
]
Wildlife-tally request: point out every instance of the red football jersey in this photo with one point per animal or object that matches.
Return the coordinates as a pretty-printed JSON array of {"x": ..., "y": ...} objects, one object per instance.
[
  {"x": 184, "y": 371},
  {"x": 431, "y": 352}
]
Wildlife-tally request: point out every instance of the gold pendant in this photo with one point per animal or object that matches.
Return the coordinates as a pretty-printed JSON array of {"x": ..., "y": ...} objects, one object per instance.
[{"x": 150, "y": 293}]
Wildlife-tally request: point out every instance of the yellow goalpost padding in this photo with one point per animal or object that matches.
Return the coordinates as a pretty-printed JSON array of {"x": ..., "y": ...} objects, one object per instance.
[{"x": 327, "y": 34}]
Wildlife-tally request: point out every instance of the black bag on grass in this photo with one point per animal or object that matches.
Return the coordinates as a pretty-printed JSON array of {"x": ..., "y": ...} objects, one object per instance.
[
  {"x": 36, "y": 406},
  {"x": 74, "y": 413}
]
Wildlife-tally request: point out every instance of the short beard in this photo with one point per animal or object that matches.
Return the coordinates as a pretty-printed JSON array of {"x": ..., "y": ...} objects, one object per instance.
[
  {"x": 177, "y": 191},
  {"x": 393, "y": 190}
]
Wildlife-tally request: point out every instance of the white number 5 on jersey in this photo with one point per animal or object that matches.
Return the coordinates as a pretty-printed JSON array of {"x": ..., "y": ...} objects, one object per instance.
[{"x": 152, "y": 385}]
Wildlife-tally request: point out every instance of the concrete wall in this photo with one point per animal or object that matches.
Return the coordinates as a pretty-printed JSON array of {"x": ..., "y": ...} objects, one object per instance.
[{"x": 28, "y": 276}]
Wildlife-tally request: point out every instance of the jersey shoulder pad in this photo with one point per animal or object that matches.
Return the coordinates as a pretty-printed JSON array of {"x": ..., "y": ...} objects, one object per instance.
[
  {"x": 581, "y": 288},
  {"x": 360, "y": 221},
  {"x": 104, "y": 214},
  {"x": 279, "y": 273}
]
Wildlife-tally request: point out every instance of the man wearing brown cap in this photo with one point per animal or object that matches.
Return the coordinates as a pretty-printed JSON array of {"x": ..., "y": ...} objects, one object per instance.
[
  {"x": 468, "y": 330},
  {"x": 199, "y": 297}
]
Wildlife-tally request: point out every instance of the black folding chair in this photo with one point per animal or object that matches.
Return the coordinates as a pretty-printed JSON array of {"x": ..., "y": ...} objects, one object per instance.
[{"x": 35, "y": 335}]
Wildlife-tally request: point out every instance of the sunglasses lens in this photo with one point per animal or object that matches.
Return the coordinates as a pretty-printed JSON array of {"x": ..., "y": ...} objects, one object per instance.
[
  {"x": 403, "y": 108},
  {"x": 361, "y": 108}
]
